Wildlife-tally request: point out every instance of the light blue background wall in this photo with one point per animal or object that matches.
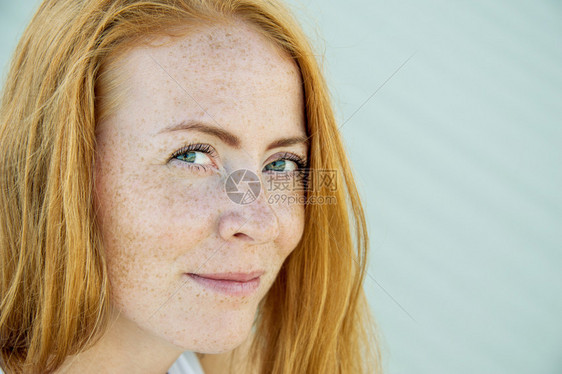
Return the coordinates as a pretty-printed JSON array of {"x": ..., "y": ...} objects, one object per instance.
[{"x": 458, "y": 158}]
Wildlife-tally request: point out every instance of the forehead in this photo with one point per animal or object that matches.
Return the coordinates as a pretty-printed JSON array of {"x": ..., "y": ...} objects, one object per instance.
[
  {"x": 227, "y": 62},
  {"x": 234, "y": 42}
]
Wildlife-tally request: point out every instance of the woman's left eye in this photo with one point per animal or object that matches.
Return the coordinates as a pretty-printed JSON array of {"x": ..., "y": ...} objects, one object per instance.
[{"x": 289, "y": 162}]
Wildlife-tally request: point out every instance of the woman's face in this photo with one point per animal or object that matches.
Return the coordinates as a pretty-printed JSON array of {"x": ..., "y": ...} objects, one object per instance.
[{"x": 164, "y": 215}]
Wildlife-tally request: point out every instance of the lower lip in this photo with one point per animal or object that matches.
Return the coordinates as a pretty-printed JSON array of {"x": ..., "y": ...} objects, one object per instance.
[{"x": 228, "y": 287}]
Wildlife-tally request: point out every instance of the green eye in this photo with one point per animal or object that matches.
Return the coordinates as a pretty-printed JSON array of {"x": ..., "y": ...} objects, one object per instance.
[
  {"x": 187, "y": 156},
  {"x": 287, "y": 162},
  {"x": 195, "y": 156},
  {"x": 280, "y": 165}
]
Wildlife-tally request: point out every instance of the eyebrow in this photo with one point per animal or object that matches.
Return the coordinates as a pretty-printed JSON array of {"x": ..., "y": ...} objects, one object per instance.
[{"x": 229, "y": 138}]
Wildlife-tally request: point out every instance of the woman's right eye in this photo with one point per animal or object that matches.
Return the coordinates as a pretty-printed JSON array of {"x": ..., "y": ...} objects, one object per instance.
[
  {"x": 196, "y": 156},
  {"x": 192, "y": 156}
]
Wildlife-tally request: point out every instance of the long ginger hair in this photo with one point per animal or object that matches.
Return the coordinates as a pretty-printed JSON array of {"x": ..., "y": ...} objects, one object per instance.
[{"x": 54, "y": 288}]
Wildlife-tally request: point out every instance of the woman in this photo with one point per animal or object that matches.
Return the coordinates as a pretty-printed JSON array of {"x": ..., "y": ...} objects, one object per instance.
[{"x": 153, "y": 200}]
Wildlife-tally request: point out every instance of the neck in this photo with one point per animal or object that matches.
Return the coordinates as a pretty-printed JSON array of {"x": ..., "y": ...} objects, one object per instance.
[
  {"x": 124, "y": 348},
  {"x": 235, "y": 361}
]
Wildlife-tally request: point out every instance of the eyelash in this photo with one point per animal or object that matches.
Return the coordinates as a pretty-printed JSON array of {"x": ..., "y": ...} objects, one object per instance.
[
  {"x": 208, "y": 149},
  {"x": 301, "y": 162}
]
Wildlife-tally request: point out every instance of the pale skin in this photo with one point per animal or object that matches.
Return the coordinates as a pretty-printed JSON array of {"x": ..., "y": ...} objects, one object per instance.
[{"x": 160, "y": 217}]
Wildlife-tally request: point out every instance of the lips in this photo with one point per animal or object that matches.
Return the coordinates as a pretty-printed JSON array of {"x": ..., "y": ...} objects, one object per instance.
[
  {"x": 233, "y": 284},
  {"x": 238, "y": 277}
]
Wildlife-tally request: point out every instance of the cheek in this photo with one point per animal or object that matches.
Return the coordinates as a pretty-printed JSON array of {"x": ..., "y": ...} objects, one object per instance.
[
  {"x": 147, "y": 221},
  {"x": 297, "y": 224},
  {"x": 290, "y": 211}
]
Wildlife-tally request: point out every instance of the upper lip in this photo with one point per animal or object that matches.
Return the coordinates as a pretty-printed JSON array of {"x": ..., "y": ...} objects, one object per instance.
[{"x": 238, "y": 277}]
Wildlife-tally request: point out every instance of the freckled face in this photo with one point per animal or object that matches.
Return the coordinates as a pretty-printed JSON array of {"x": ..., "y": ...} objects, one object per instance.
[{"x": 160, "y": 198}]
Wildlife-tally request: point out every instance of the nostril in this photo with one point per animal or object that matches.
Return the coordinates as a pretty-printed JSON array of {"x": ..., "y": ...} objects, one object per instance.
[{"x": 241, "y": 235}]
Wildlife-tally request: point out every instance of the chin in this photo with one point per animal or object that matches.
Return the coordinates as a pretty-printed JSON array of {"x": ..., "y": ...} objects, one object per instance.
[
  {"x": 219, "y": 344},
  {"x": 218, "y": 337}
]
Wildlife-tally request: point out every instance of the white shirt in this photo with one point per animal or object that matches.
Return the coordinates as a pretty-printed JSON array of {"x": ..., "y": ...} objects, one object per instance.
[{"x": 187, "y": 363}]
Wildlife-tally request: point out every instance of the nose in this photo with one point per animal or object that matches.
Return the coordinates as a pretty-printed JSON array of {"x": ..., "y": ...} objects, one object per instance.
[{"x": 254, "y": 222}]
